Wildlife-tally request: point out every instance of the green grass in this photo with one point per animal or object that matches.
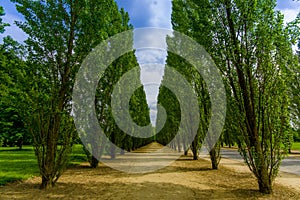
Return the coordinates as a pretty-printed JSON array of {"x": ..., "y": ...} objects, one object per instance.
[
  {"x": 296, "y": 146},
  {"x": 77, "y": 156},
  {"x": 18, "y": 164}
]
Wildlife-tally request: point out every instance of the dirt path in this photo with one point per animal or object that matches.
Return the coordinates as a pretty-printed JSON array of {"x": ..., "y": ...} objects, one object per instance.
[
  {"x": 289, "y": 171},
  {"x": 183, "y": 179},
  {"x": 290, "y": 164}
]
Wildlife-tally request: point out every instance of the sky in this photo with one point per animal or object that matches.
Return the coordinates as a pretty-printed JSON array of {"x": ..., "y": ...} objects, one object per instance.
[{"x": 143, "y": 13}]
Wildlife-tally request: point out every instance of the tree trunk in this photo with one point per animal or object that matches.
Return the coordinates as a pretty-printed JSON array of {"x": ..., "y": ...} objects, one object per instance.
[
  {"x": 4, "y": 143},
  {"x": 47, "y": 182},
  {"x": 95, "y": 155},
  {"x": 264, "y": 181},
  {"x": 94, "y": 162},
  {"x": 195, "y": 150},
  {"x": 215, "y": 157},
  {"x": 179, "y": 146},
  {"x": 49, "y": 165},
  {"x": 112, "y": 151},
  {"x": 265, "y": 185},
  {"x": 20, "y": 144},
  {"x": 122, "y": 152},
  {"x": 186, "y": 150}
]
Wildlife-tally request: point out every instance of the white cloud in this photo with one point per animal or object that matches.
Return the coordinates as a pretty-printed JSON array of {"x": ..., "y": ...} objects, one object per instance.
[
  {"x": 151, "y": 77},
  {"x": 290, "y": 14},
  {"x": 288, "y": 4},
  {"x": 145, "y": 56},
  {"x": 151, "y": 46},
  {"x": 151, "y": 38},
  {"x": 148, "y": 13},
  {"x": 161, "y": 14},
  {"x": 13, "y": 30},
  {"x": 154, "y": 75},
  {"x": 151, "y": 91}
]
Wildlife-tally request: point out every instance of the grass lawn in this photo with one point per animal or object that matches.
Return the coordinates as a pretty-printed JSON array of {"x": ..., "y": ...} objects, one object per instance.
[
  {"x": 296, "y": 146},
  {"x": 18, "y": 164}
]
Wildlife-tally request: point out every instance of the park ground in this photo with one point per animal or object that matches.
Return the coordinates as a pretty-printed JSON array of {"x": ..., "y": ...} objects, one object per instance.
[{"x": 183, "y": 179}]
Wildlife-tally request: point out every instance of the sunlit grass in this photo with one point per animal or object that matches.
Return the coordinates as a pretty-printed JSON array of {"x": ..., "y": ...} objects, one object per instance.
[
  {"x": 296, "y": 146},
  {"x": 18, "y": 164}
]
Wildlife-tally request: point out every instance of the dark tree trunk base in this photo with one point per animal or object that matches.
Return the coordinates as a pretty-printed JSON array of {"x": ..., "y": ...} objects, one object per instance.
[
  {"x": 46, "y": 183},
  {"x": 265, "y": 188},
  {"x": 195, "y": 155},
  {"x": 215, "y": 157},
  {"x": 94, "y": 162},
  {"x": 186, "y": 152}
]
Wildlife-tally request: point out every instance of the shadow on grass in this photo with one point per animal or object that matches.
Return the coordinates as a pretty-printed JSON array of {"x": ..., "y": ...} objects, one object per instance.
[
  {"x": 9, "y": 149},
  {"x": 295, "y": 152}
]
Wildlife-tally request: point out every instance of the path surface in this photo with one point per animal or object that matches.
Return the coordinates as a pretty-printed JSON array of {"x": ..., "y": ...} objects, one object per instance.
[
  {"x": 183, "y": 179},
  {"x": 288, "y": 174},
  {"x": 291, "y": 164}
]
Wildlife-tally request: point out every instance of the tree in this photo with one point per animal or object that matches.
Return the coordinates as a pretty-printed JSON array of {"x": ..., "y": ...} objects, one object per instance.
[
  {"x": 168, "y": 101},
  {"x": 96, "y": 144},
  {"x": 294, "y": 82},
  {"x": 2, "y": 25},
  {"x": 193, "y": 18},
  {"x": 253, "y": 52},
  {"x": 138, "y": 108},
  {"x": 12, "y": 127},
  {"x": 12, "y": 79},
  {"x": 60, "y": 35}
]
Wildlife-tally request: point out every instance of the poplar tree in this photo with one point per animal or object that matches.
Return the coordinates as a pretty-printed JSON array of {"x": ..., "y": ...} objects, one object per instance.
[{"x": 61, "y": 33}]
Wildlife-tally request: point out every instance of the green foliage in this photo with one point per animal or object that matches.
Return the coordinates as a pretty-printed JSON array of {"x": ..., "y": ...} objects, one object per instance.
[
  {"x": 138, "y": 107},
  {"x": 169, "y": 102},
  {"x": 253, "y": 51},
  {"x": 60, "y": 36},
  {"x": 296, "y": 135},
  {"x": 2, "y": 25},
  {"x": 193, "y": 18},
  {"x": 294, "y": 30},
  {"x": 18, "y": 164},
  {"x": 117, "y": 21},
  {"x": 294, "y": 81},
  {"x": 12, "y": 94}
]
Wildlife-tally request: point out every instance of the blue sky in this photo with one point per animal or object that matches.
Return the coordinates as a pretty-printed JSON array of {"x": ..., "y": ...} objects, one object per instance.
[{"x": 143, "y": 13}]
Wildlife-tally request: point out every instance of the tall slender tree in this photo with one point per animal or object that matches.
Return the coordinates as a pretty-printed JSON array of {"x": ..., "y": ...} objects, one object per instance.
[
  {"x": 251, "y": 47},
  {"x": 193, "y": 18},
  {"x": 253, "y": 51},
  {"x": 294, "y": 81},
  {"x": 60, "y": 35}
]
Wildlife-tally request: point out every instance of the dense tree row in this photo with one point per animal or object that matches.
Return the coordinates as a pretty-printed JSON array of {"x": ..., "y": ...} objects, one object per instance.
[
  {"x": 187, "y": 18},
  {"x": 247, "y": 40},
  {"x": 37, "y": 84},
  {"x": 12, "y": 81},
  {"x": 251, "y": 47},
  {"x": 294, "y": 81}
]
